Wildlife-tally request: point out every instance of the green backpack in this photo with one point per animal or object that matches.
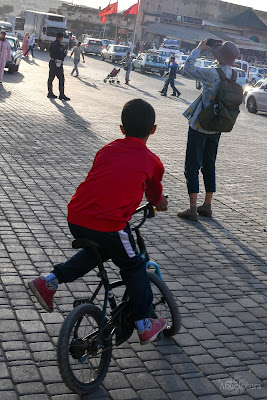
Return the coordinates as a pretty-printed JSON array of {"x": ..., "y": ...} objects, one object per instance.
[{"x": 220, "y": 115}]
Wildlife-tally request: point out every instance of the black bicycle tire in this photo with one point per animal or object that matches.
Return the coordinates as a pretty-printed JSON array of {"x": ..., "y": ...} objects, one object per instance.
[
  {"x": 175, "y": 326},
  {"x": 63, "y": 349}
]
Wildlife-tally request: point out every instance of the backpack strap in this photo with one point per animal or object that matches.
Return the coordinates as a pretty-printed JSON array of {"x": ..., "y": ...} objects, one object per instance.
[
  {"x": 234, "y": 75},
  {"x": 221, "y": 74}
]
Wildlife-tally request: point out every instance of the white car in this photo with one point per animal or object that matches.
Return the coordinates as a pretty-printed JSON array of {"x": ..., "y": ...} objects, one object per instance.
[
  {"x": 256, "y": 99},
  {"x": 248, "y": 88},
  {"x": 115, "y": 52},
  {"x": 200, "y": 62},
  {"x": 256, "y": 73},
  {"x": 242, "y": 79}
]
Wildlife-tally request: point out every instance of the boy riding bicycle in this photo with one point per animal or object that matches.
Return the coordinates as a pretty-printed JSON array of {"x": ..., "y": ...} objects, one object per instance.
[{"x": 102, "y": 207}]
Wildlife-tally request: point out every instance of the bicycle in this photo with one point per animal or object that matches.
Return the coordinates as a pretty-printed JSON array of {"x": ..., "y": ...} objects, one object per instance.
[{"x": 88, "y": 334}]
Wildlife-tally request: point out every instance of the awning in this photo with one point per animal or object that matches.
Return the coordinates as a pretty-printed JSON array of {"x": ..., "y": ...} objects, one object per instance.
[
  {"x": 245, "y": 43},
  {"x": 186, "y": 33},
  {"x": 241, "y": 41}
]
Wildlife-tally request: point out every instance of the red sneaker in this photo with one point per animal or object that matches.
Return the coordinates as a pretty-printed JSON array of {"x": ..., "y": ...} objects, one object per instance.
[
  {"x": 151, "y": 334},
  {"x": 42, "y": 293}
]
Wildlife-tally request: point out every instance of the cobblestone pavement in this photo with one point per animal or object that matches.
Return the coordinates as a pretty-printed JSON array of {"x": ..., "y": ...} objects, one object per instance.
[{"x": 215, "y": 268}]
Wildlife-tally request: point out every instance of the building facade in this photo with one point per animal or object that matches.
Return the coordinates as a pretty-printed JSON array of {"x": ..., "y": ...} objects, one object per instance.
[
  {"x": 193, "y": 20},
  {"x": 36, "y": 5},
  {"x": 82, "y": 20}
]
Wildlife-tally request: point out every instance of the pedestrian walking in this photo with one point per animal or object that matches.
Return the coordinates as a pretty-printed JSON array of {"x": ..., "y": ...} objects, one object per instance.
[
  {"x": 5, "y": 54},
  {"x": 31, "y": 45},
  {"x": 202, "y": 145},
  {"x": 25, "y": 43},
  {"x": 57, "y": 56},
  {"x": 127, "y": 61},
  {"x": 77, "y": 51},
  {"x": 171, "y": 76},
  {"x": 142, "y": 47}
]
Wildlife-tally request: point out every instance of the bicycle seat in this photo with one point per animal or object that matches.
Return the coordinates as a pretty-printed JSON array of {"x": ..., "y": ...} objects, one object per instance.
[{"x": 84, "y": 243}]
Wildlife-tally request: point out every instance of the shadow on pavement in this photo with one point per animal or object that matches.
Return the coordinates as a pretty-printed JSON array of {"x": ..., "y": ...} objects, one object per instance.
[
  {"x": 252, "y": 255},
  {"x": 143, "y": 91},
  {"x": 85, "y": 82},
  {"x": 4, "y": 94},
  {"x": 70, "y": 114},
  {"x": 17, "y": 77},
  {"x": 30, "y": 61}
]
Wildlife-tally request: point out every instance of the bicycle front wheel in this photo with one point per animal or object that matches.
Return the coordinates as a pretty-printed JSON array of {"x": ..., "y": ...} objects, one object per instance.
[
  {"x": 164, "y": 305},
  {"x": 83, "y": 357}
]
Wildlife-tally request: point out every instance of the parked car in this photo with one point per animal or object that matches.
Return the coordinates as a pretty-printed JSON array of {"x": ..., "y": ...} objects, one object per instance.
[
  {"x": 256, "y": 73},
  {"x": 16, "y": 54},
  {"x": 248, "y": 88},
  {"x": 200, "y": 62},
  {"x": 164, "y": 54},
  {"x": 107, "y": 42},
  {"x": 256, "y": 99},
  {"x": 147, "y": 62},
  {"x": 115, "y": 52},
  {"x": 92, "y": 46},
  {"x": 242, "y": 79}
]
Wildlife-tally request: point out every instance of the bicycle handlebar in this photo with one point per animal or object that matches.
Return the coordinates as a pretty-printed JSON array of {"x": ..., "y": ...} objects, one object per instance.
[{"x": 149, "y": 212}]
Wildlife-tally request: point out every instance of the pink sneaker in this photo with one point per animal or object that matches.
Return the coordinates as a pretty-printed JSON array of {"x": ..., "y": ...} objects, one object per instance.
[
  {"x": 42, "y": 293},
  {"x": 149, "y": 335}
]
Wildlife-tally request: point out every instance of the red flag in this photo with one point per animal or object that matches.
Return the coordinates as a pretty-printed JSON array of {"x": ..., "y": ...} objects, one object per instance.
[
  {"x": 110, "y": 9},
  {"x": 132, "y": 10}
]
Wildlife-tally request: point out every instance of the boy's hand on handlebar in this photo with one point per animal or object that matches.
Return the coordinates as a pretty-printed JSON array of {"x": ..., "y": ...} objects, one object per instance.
[{"x": 163, "y": 204}]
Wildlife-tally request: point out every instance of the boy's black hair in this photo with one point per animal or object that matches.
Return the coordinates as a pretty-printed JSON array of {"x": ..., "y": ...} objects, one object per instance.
[
  {"x": 138, "y": 118},
  {"x": 59, "y": 35}
]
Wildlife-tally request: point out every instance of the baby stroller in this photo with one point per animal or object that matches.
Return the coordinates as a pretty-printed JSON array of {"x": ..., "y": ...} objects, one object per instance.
[{"x": 113, "y": 76}]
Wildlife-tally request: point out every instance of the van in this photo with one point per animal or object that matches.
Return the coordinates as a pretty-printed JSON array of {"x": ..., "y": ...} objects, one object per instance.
[{"x": 241, "y": 64}]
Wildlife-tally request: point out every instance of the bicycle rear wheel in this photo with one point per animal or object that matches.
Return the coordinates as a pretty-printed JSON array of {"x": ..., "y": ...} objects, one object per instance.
[
  {"x": 164, "y": 305},
  {"x": 83, "y": 360}
]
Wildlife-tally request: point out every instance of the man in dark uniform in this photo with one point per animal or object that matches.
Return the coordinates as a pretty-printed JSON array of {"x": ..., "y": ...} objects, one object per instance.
[
  {"x": 57, "y": 54},
  {"x": 171, "y": 75}
]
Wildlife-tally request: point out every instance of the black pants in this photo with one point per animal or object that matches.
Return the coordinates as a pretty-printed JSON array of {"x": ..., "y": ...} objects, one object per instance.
[
  {"x": 201, "y": 154},
  {"x": 121, "y": 249},
  {"x": 170, "y": 81},
  {"x": 59, "y": 73}
]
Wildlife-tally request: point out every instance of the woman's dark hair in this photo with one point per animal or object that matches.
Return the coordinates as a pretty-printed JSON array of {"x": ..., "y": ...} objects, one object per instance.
[{"x": 138, "y": 118}]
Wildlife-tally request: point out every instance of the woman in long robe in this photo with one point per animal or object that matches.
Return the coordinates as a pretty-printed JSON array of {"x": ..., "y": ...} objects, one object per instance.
[
  {"x": 25, "y": 43},
  {"x": 5, "y": 54}
]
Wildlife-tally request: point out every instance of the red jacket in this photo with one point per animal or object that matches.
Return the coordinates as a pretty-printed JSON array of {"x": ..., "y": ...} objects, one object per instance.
[{"x": 122, "y": 171}]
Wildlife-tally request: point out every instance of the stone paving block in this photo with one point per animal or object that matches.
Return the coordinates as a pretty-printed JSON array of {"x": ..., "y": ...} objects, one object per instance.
[
  {"x": 115, "y": 380},
  {"x": 30, "y": 388},
  {"x": 6, "y": 395},
  {"x": 142, "y": 380},
  {"x": 155, "y": 394},
  {"x": 171, "y": 383},
  {"x": 4, "y": 373},
  {"x": 259, "y": 370},
  {"x": 201, "y": 386},
  {"x": 6, "y": 384},
  {"x": 123, "y": 394},
  {"x": 25, "y": 373},
  {"x": 182, "y": 395}
]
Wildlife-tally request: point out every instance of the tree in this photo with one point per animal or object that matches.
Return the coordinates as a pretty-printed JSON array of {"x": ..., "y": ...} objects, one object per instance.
[{"x": 6, "y": 9}]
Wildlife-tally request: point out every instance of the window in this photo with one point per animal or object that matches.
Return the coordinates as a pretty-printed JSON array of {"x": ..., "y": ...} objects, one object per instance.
[
  {"x": 95, "y": 42},
  {"x": 12, "y": 43}
]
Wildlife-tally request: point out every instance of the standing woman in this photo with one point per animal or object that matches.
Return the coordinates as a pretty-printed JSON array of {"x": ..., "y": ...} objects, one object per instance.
[
  {"x": 25, "y": 44},
  {"x": 5, "y": 54},
  {"x": 127, "y": 61}
]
